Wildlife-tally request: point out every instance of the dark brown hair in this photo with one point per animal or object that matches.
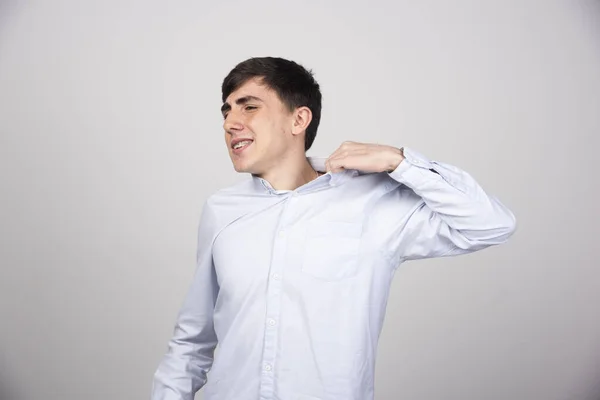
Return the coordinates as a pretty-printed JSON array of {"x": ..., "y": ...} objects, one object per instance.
[{"x": 295, "y": 86}]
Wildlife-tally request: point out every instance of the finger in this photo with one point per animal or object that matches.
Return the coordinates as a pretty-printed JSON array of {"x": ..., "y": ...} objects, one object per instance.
[
  {"x": 346, "y": 146},
  {"x": 335, "y": 154},
  {"x": 347, "y": 152},
  {"x": 335, "y": 161},
  {"x": 351, "y": 153},
  {"x": 335, "y": 165},
  {"x": 345, "y": 160}
]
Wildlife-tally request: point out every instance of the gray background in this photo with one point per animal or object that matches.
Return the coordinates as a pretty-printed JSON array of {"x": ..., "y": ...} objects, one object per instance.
[{"x": 111, "y": 140}]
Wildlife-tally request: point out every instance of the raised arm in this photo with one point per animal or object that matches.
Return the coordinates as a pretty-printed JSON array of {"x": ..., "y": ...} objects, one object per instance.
[
  {"x": 437, "y": 210},
  {"x": 425, "y": 208}
]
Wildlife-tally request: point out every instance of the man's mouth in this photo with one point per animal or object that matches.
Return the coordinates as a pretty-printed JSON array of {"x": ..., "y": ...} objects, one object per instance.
[{"x": 240, "y": 146}]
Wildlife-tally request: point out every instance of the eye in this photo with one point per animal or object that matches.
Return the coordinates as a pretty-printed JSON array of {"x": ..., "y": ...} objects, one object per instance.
[{"x": 250, "y": 108}]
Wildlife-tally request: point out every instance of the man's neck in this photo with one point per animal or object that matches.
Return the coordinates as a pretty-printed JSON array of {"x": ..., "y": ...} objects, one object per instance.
[{"x": 290, "y": 174}]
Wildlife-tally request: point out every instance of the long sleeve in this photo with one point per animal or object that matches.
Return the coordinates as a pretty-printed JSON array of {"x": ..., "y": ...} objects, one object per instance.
[
  {"x": 183, "y": 370},
  {"x": 436, "y": 210}
]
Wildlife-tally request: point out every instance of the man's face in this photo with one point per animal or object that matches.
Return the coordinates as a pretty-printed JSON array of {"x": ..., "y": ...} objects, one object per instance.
[{"x": 257, "y": 128}]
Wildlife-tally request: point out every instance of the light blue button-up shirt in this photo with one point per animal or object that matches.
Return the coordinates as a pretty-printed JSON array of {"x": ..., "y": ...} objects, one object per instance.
[{"x": 293, "y": 285}]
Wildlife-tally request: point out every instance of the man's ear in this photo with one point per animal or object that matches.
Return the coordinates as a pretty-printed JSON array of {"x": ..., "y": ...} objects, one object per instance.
[{"x": 301, "y": 120}]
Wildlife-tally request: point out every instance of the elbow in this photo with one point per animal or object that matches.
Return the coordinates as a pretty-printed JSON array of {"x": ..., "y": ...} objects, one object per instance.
[
  {"x": 504, "y": 228},
  {"x": 498, "y": 229},
  {"x": 509, "y": 224}
]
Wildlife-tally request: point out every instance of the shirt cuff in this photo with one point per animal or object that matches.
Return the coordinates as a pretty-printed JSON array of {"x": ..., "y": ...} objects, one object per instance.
[{"x": 414, "y": 166}]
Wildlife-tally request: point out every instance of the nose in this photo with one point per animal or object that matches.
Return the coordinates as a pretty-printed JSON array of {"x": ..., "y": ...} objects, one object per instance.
[{"x": 232, "y": 123}]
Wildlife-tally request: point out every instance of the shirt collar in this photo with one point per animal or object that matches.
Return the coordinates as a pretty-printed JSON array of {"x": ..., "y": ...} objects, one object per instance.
[{"x": 318, "y": 163}]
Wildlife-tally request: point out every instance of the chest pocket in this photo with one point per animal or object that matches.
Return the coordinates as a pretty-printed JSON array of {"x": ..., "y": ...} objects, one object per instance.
[{"x": 332, "y": 249}]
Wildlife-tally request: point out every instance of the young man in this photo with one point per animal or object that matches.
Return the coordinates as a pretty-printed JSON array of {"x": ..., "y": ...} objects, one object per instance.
[{"x": 294, "y": 264}]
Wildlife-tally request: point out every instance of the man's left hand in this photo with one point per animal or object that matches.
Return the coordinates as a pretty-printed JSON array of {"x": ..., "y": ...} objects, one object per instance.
[{"x": 364, "y": 157}]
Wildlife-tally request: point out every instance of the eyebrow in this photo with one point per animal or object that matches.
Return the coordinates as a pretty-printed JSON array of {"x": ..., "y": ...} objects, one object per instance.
[{"x": 241, "y": 101}]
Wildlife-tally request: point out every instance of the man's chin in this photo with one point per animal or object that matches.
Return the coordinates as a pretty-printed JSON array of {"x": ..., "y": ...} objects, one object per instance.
[{"x": 243, "y": 168}]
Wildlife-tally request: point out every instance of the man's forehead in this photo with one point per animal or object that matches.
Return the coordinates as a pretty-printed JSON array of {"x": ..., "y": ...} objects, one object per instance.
[{"x": 252, "y": 88}]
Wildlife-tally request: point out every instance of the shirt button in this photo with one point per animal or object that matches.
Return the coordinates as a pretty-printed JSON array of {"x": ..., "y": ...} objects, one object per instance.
[
  {"x": 267, "y": 367},
  {"x": 281, "y": 234},
  {"x": 271, "y": 322},
  {"x": 276, "y": 277}
]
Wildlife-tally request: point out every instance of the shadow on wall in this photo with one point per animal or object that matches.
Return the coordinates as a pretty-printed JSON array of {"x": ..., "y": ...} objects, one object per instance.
[
  {"x": 7, "y": 391},
  {"x": 8, "y": 386}
]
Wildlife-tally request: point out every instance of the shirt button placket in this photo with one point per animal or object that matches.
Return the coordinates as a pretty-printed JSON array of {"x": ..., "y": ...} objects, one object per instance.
[{"x": 267, "y": 385}]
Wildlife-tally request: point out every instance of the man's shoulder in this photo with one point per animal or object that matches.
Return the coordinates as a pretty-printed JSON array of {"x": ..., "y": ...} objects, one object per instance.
[
  {"x": 225, "y": 205},
  {"x": 230, "y": 195},
  {"x": 241, "y": 188},
  {"x": 237, "y": 199}
]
